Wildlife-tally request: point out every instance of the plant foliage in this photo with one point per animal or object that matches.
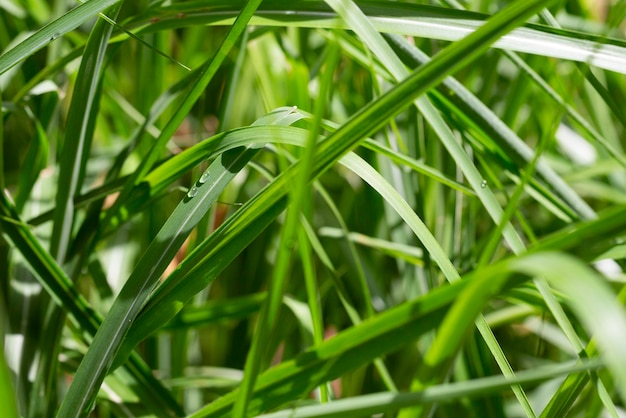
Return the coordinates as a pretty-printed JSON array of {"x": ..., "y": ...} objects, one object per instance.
[{"x": 312, "y": 208}]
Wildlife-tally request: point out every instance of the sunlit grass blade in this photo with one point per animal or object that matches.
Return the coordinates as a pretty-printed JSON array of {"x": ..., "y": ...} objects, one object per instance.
[
  {"x": 578, "y": 282},
  {"x": 380, "y": 403},
  {"x": 497, "y": 130},
  {"x": 74, "y": 155},
  {"x": 63, "y": 292},
  {"x": 489, "y": 202},
  {"x": 347, "y": 350},
  {"x": 362, "y": 26},
  {"x": 191, "y": 95},
  {"x": 175, "y": 292},
  {"x": 7, "y": 392},
  {"x": 406, "y": 252},
  {"x": 298, "y": 198},
  {"x": 139, "y": 286},
  {"x": 434, "y": 200},
  {"x": 77, "y": 142},
  {"x": 566, "y": 394},
  {"x": 417, "y": 20},
  {"x": 66, "y": 23},
  {"x": 354, "y": 346}
]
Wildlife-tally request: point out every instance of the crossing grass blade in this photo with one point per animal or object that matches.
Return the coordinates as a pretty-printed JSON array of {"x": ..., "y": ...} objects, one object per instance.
[
  {"x": 406, "y": 322},
  {"x": 478, "y": 113},
  {"x": 191, "y": 95},
  {"x": 390, "y": 402},
  {"x": 347, "y": 350},
  {"x": 408, "y": 19},
  {"x": 254, "y": 216},
  {"x": 64, "y": 293},
  {"x": 77, "y": 142},
  {"x": 52, "y": 31},
  {"x": 106, "y": 344},
  {"x": 299, "y": 198},
  {"x": 418, "y": 223}
]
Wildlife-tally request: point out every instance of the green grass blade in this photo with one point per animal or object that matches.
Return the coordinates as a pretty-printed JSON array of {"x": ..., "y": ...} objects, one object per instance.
[
  {"x": 299, "y": 196},
  {"x": 507, "y": 139},
  {"x": 7, "y": 393},
  {"x": 408, "y": 253},
  {"x": 395, "y": 200},
  {"x": 64, "y": 24},
  {"x": 360, "y": 24},
  {"x": 389, "y": 402},
  {"x": 73, "y": 160},
  {"x": 437, "y": 200},
  {"x": 351, "y": 14},
  {"x": 106, "y": 343},
  {"x": 63, "y": 292},
  {"x": 347, "y": 350},
  {"x": 254, "y": 216},
  {"x": 54, "y": 280},
  {"x": 190, "y": 97},
  {"x": 216, "y": 311},
  {"x": 421, "y": 21},
  {"x": 578, "y": 282},
  {"x": 574, "y": 384},
  {"x": 77, "y": 142},
  {"x": 352, "y": 347}
]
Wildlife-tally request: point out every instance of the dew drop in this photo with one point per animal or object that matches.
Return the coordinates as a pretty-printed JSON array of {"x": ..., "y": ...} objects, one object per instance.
[
  {"x": 55, "y": 36},
  {"x": 204, "y": 177},
  {"x": 483, "y": 184},
  {"x": 192, "y": 192}
]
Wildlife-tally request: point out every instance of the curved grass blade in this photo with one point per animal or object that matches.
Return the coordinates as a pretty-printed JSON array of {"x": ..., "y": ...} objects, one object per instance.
[
  {"x": 144, "y": 278},
  {"x": 498, "y": 130},
  {"x": 406, "y": 19},
  {"x": 347, "y": 350},
  {"x": 66, "y": 23},
  {"x": 571, "y": 238},
  {"x": 592, "y": 300},
  {"x": 146, "y": 324},
  {"x": 200, "y": 197},
  {"x": 374, "y": 41},
  {"x": 210, "y": 257},
  {"x": 389, "y": 402},
  {"x": 299, "y": 196},
  {"x": 61, "y": 289},
  {"x": 395, "y": 200},
  {"x": 574, "y": 384},
  {"x": 402, "y": 159},
  {"x": 191, "y": 95},
  {"x": 351, "y": 14},
  {"x": 384, "y": 333}
]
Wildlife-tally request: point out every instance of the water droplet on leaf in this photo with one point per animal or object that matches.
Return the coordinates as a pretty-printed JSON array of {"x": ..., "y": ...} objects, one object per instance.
[
  {"x": 483, "y": 184},
  {"x": 192, "y": 192},
  {"x": 204, "y": 177}
]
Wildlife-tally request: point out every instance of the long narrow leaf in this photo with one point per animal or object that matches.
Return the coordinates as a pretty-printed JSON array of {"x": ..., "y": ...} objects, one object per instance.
[
  {"x": 66, "y": 23},
  {"x": 229, "y": 239}
]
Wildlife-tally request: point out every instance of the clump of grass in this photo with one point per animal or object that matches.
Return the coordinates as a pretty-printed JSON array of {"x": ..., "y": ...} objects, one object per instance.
[{"x": 312, "y": 209}]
